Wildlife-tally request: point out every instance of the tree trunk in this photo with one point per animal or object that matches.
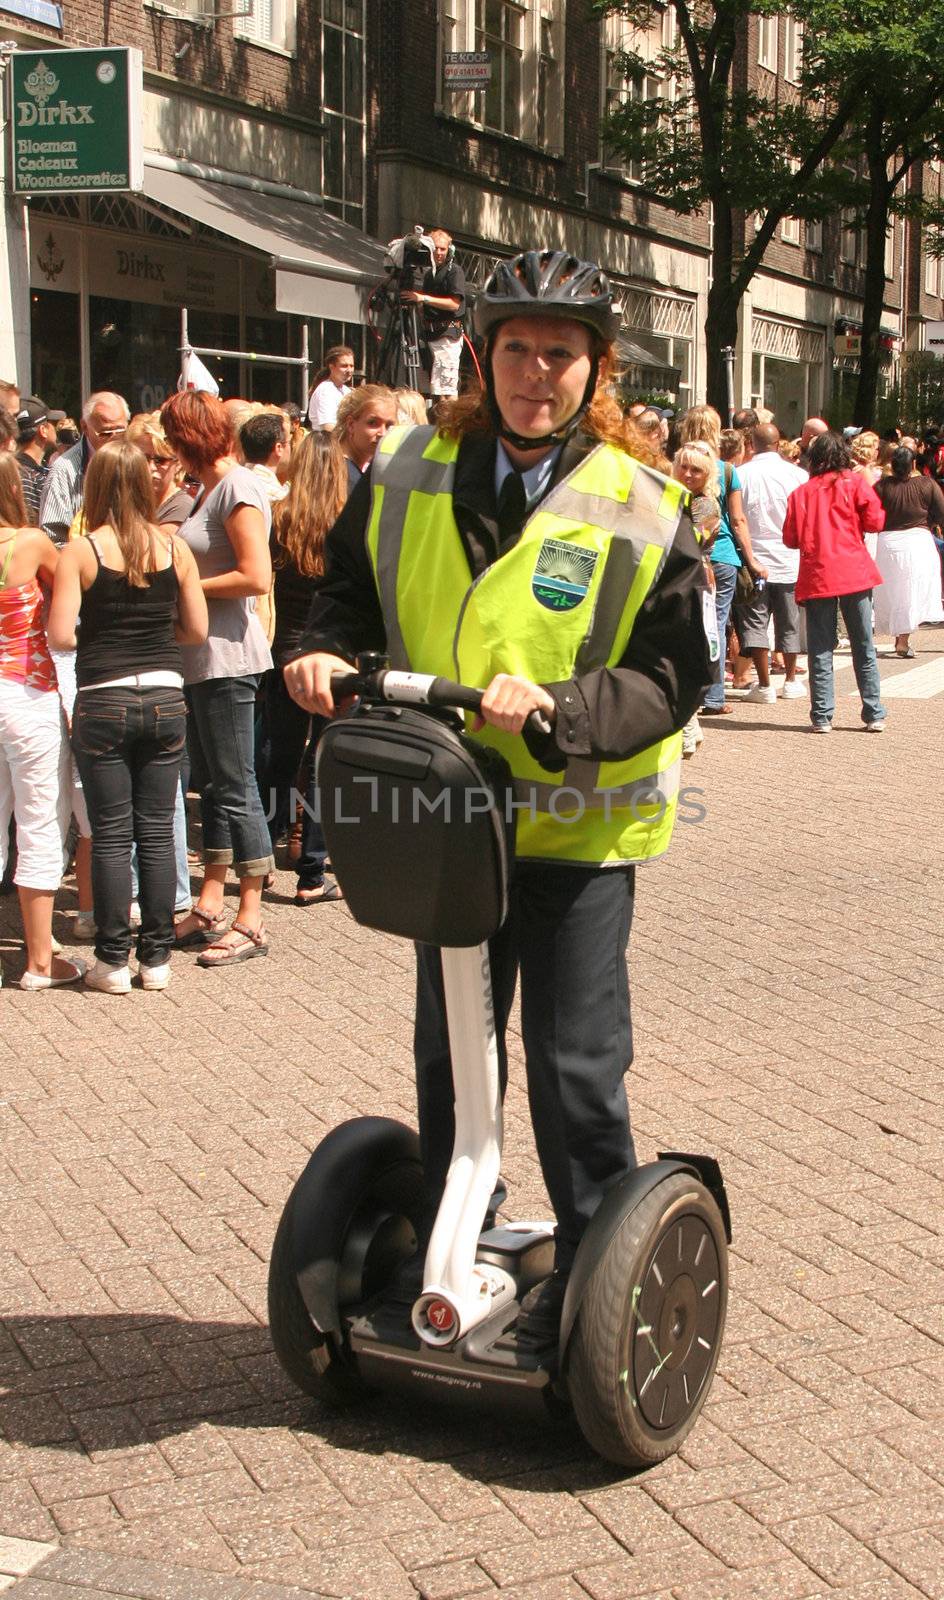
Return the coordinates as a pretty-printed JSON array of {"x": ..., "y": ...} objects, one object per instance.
[
  {"x": 876, "y": 233},
  {"x": 721, "y": 320}
]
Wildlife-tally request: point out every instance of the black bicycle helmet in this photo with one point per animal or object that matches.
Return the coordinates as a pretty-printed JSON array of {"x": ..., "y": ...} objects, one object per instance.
[{"x": 548, "y": 283}]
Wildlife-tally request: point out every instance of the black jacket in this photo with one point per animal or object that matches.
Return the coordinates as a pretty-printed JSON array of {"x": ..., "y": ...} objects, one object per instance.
[{"x": 608, "y": 714}]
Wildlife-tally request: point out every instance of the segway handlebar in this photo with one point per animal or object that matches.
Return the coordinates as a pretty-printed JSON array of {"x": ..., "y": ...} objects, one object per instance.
[{"x": 379, "y": 683}]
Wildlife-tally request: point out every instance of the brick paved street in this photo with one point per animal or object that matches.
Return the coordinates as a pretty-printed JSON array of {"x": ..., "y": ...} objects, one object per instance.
[{"x": 788, "y": 1000}]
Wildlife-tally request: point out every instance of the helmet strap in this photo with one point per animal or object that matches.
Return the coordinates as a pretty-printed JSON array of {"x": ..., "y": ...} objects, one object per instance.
[{"x": 559, "y": 436}]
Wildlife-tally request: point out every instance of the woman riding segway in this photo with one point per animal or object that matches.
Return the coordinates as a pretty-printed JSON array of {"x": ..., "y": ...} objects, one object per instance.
[{"x": 528, "y": 546}]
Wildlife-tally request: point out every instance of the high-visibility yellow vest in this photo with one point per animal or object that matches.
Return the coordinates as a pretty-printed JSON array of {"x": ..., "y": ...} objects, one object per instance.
[{"x": 561, "y": 603}]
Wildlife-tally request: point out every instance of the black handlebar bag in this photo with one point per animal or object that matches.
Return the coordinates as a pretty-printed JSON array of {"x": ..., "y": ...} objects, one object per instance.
[{"x": 417, "y": 824}]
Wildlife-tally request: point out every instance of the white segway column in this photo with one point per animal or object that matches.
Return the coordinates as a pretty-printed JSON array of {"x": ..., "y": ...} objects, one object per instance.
[{"x": 457, "y": 1292}]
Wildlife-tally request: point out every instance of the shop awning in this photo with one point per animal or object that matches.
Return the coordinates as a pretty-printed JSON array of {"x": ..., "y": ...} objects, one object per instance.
[{"x": 323, "y": 267}]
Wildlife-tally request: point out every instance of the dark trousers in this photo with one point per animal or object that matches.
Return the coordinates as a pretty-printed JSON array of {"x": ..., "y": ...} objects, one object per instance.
[
  {"x": 286, "y": 748},
  {"x": 128, "y": 745},
  {"x": 567, "y": 933},
  {"x": 222, "y": 749}
]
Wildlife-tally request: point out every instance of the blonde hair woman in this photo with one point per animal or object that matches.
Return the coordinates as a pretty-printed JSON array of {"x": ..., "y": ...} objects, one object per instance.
[
  {"x": 363, "y": 418},
  {"x": 172, "y": 503},
  {"x": 316, "y": 496},
  {"x": 731, "y": 548},
  {"x": 138, "y": 595}
]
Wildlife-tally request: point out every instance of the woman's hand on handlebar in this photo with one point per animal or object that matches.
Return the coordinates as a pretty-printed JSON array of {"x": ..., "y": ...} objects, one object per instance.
[
  {"x": 508, "y": 702},
  {"x": 308, "y": 681}
]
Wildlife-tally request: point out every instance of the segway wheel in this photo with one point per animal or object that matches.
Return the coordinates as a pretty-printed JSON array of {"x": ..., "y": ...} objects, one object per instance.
[
  {"x": 648, "y": 1332},
  {"x": 357, "y": 1203}
]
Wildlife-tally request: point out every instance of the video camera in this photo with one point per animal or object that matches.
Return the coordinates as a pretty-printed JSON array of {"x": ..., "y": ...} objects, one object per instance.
[{"x": 410, "y": 258}]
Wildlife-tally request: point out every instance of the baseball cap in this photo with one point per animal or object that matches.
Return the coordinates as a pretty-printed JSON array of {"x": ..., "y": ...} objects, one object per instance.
[{"x": 33, "y": 411}]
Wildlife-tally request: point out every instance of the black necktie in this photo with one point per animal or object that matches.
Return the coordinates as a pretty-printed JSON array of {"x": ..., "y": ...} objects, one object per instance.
[{"x": 512, "y": 508}]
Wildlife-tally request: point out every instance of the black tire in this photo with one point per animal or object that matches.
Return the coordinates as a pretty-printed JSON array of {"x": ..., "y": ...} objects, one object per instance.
[
  {"x": 382, "y": 1200},
  {"x": 649, "y": 1327}
]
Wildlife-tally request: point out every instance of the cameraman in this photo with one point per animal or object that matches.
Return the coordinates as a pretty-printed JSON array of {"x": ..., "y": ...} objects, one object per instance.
[{"x": 443, "y": 298}]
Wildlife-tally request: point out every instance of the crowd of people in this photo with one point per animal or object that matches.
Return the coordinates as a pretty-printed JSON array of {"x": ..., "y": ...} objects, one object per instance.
[{"x": 156, "y": 579}]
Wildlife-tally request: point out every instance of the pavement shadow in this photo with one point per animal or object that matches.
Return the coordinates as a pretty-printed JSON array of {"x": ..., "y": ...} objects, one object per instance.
[{"x": 91, "y": 1384}]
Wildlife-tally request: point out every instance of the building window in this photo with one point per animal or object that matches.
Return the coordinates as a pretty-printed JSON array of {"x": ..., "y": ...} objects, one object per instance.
[
  {"x": 342, "y": 100},
  {"x": 647, "y": 84},
  {"x": 932, "y": 269},
  {"x": 270, "y": 22},
  {"x": 814, "y": 237},
  {"x": 767, "y": 37},
  {"x": 550, "y": 76},
  {"x": 499, "y": 29},
  {"x": 524, "y": 40},
  {"x": 849, "y": 236},
  {"x": 792, "y": 49}
]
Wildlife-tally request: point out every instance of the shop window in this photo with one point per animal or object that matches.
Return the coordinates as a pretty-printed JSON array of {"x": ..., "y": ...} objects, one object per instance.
[
  {"x": 54, "y": 342},
  {"x": 618, "y": 39},
  {"x": 269, "y": 22},
  {"x": 342, "y": 100},
  {"x": 767, "y": 41},
  {"x": 133, "y": 349},
  {"x": 524, "y": 40}
]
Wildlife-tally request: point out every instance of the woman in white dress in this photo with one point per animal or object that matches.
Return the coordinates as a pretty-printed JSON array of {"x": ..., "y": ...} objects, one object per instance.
[{"x": 907, "y": 555}]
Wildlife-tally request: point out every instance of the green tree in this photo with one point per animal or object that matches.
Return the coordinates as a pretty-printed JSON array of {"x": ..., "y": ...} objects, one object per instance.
[
  {"x": 708, "y": 139},
  {"x": 897, "y": 120}
]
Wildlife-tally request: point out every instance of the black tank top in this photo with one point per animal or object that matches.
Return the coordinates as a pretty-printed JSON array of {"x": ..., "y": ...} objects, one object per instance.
[{"x": 126, "y": 630}]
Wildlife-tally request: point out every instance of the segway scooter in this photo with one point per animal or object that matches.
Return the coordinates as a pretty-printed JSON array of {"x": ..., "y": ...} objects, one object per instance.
[{"x": 416, "y": 822}]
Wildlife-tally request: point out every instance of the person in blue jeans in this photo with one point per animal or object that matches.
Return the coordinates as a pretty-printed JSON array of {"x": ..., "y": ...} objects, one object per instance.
[
  {"x": 228, "y": 534},
  {"x": 137, "y": 594},
  {"x": 700, "y": 430},
  {"x": 827, "y": 520}
]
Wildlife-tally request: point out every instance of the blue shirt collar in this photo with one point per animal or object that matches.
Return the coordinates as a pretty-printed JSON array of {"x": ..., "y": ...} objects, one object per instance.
[{"x": 536, "y": 479}]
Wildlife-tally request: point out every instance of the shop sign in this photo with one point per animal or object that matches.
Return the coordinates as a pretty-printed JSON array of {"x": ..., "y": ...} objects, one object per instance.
[
  {"x": 934, "y": 337},
  {"x": 133, "y": 268},
  {"x": 76, "y": 123},
  {"x": 848, "y": 344},
  {"x": 130, "y": 267},
  {"x": 467, "y": 69}
]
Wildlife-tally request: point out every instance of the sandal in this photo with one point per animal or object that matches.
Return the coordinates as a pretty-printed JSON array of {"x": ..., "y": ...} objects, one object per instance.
[
  {"x": 210, "y": 929},
  {"x": 905, "y": 655},
  {"x": 319, "y": 896},
  {"x": 716, "y": 711},
  {"x": 252, "y": 943}
]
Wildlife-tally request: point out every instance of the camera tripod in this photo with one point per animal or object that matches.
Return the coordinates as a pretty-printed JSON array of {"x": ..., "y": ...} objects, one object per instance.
[{"x": 398, "y": 358}]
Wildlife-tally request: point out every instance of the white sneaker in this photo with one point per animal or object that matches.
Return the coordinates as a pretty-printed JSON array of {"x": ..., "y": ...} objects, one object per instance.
[
  {"x": 109, "y": 980},
  {"x": 762, "y": 695},
  {"x": 84, "y": 925},
  {"x": 157, "y": 977},
  {"x": 794, "y": 691},
  {"x": 875, "y": 727},
  {"x": 821, "y": 727}
]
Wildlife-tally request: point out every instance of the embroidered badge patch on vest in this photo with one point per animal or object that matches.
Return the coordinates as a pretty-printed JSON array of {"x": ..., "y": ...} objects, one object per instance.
[{"x": 562, "y": 575}]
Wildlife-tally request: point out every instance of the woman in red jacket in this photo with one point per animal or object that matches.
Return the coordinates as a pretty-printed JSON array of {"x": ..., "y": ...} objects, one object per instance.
[{"x": 826, "y": 521}]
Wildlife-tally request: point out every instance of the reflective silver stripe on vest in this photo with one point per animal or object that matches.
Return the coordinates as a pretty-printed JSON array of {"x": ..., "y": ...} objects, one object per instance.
[
  {"x": 580, "y": 781},
  {"x": 399, "y": 474},
  {"x": 635, "y": 523}
]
